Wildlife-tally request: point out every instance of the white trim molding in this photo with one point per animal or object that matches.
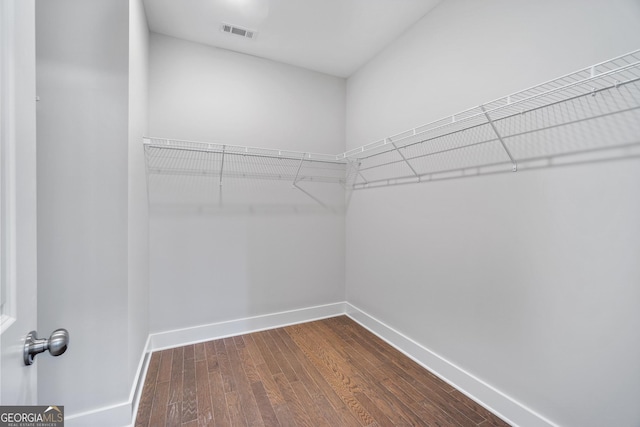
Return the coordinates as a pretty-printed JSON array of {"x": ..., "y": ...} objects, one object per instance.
[
  {"x": 8, "y": 226},
  {"x": 108, "y": 416},
  {"x": 119, "y": 414},
  {"x": 510, "y": 410},
  {"x": 212, "y": 331}
]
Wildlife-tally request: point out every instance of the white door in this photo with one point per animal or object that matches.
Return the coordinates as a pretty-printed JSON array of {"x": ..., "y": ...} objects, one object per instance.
[{"x": 18, "y": 194}]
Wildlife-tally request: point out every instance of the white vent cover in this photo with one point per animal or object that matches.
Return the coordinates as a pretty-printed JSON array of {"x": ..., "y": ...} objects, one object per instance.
[{"x": 238, "y": 31}]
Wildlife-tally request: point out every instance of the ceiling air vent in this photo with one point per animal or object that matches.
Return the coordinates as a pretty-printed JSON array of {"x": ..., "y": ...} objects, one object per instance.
[{"x": 238, "y": 31}]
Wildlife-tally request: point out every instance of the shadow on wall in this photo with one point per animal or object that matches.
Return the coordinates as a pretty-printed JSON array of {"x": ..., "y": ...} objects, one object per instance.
[{"x": 203, "y": 195}]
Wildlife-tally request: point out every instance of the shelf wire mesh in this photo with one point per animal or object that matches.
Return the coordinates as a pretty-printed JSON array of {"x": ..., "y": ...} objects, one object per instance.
[
  {"x": 199, "y": 177},
  {"x": 594, "y": 109},
  {"x": 165, "y": 156}
]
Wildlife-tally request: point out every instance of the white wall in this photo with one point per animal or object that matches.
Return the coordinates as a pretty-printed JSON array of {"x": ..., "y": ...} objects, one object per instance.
[
  {"x": 206, "y": 269},
  {"x": 82, "y": 143},
  {"x": 203, "y": 93},
  {"x": 528, "y": 281},
  {"x": 138, "y": 216}
]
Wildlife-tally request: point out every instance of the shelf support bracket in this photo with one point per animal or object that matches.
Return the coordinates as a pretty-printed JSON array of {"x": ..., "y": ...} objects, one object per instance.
[
  {"x": 295, "y": 179},
  {"x": 295, "y": 184},
  {"x": 404, "y": 158},
  {"x": 363, "y": 178},
  {"x": 310, "y": 195},
  {"x": 222, "y": 164},
  {"x": 514, "y": 164}
]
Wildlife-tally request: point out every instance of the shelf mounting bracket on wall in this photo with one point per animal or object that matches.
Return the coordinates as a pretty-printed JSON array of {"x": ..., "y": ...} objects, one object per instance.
[
  {"x": 363, "y": 178},
  {"x": 514, "y": 164},
  {"x": 404, "y": 158},
  {"x": 295, "y": 183},
  {"x": 224, "y": 147},
  {"x": 295, "y": 179}
]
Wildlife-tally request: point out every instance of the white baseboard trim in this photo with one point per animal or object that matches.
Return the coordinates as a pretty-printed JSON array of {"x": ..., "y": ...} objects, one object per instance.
[
  {"x": 108, "y": 416},
  {"x": 138, "y": 381},
  {"x": 121, "y": 414},
  {"x": 192, "y": 335},
  {"x": 513, "y": 412}
]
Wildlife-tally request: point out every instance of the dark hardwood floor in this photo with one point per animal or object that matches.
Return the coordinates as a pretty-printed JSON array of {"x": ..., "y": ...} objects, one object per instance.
[{"x": 329, "y": 372}]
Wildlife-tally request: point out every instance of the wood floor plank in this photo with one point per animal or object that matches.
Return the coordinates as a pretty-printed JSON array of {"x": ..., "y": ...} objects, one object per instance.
[
  {"x": 199, "y": 351},
  {"x": 173, "y": 414},
  {"x": 211, "y": 356},
  {"x": 148, "y": 391},
  {"x": 160, "y": 402},
  {"x": 331, "y": 372},
  {"x": 248, "y": 364},
  {"x": 218, "y": 400},
  {"x": 166, "y": 358},
  {"x": 399, "y": 411},
  {"x": 347, "y": 336},
  {"x": 271, "y": 339},
  {"x": 203, "y": 394},
  {"x": 432, "y": 397},
  {"x": 426, "y": 412},
  {"x": 381, "y": 404},
  {"x": 431, "y": 387},
  {"x": 269, "y": 360},
  {"x": 306, "y": 373},
  {"x": 300, "y": 416},
  {"x": 236, "y": 415},
  {"x": 189, "y": 397},
  {"x": 490, "y": 418},
  {"x": 340, "y": 384},
  {"x": 175, "y": 389},
  {"x": 264, "y": 405},
  {"x": 243, "y": 385},
  {"x": 253, "y": 349},
  {"x": 323, "y": 390},
  {"x": 334, "y": 417},
  {"x": 388, "y": 353},
  {"x": 238, "y": 341},
  {"x": 399, "y": 393},
  {"x": 308, "y": 403},
  {"x": 284, "y": 415},
  {"x": 225, "y": 367},
  {"x": 270, "y": 386}
]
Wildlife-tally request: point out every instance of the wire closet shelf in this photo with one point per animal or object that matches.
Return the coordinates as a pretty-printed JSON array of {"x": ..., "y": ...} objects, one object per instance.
[
  {"x": 590, "y": 111},
  {"x": 170, "y": 156}
]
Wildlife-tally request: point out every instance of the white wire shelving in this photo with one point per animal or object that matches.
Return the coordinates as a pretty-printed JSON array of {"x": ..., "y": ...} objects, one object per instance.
[
  {"x": 170, "y": 156},
  {"x": 191, "y": 173},
  {"x": 595, "y": 109},
  {"x": 578, "y": 116}
]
